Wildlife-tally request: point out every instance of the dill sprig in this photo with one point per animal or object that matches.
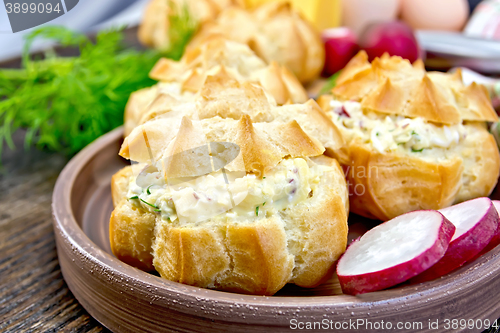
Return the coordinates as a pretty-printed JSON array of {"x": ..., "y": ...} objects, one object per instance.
[
  {"x": 149, "y": 204},
  {"x": 65, "y": 103},
  {"x": 182, "y": 28}
]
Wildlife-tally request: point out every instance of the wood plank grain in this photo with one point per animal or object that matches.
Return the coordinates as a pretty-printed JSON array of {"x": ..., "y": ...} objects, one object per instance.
[{"x": 33, "y": 294}]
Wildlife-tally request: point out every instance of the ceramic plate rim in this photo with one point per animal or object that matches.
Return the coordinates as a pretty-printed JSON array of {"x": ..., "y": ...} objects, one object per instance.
[{"x": 66, "y": 223}]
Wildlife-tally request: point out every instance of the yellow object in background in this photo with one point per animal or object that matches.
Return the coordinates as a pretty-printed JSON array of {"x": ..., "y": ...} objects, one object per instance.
[{"x": 323, "y": 14}]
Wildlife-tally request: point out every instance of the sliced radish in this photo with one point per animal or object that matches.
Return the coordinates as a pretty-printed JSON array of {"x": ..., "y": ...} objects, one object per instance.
[
  {"x": 495, "y": 240},
  {"x": 394, "y": 252},
  {"x": 476, "y": 222}
]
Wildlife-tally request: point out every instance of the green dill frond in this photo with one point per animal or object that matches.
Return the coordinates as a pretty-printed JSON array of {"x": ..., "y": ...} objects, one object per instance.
[
  {"x": 182, "y": 28},
  {"x": 331, "y": 82},
  {"x": 65, "y": 103}
]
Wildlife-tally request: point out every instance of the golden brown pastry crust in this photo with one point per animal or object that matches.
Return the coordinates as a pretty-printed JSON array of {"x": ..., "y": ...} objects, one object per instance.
[
  {"x": 138, "y": 102},
  {"x": 249, "y": 259},
  {"x": 226, "y": 98},
  {"x": 275, "y": 32},
  {"x": 119, "y": 184},
  {"x": 131, "y": 235},
  {"x": 257, "y": 254},
  {"x": 482, "y": 164},
  {"x": 155, "y": 26},
  {"x": 324, "y": 235},
  {"x": 130, "y": 228},
  {"x": 299, "y": 245},
  {"x": 392, "y": 85},
  {"x": 262, "y": 146},
  {"x": 257, "y": 258},
  {"x": 405, "y": 181},
  {"x": 392, "y": 184},
  {"x": 238, "y": 61},
  {"x": 217, "y": 58},
  {"x": 400, "y": 183}
]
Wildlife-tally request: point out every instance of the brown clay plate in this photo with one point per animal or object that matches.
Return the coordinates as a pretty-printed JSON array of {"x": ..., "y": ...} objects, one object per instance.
[{"x": 125, "y": 299}]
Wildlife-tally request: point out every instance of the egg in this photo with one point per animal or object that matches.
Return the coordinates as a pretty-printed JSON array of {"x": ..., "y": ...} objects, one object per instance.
[
  {"x": 450, "y": 15},
  {"x": 357, "y": 14}
]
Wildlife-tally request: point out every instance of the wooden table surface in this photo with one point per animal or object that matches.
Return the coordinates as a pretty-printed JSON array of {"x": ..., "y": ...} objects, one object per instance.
[{"x": 33, "y": 294}]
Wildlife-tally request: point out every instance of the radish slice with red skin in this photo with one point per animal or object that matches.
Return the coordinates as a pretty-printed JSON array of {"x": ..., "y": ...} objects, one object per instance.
[
  {"x": 495, "y": 240},
  {"x": 394, "y": 252},
  {"x": 476, "y": 222}
]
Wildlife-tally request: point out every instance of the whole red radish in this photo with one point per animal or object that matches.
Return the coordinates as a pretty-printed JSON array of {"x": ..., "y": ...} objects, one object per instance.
[
  {"x": 476, "y": 222},
  {"x": 340, "y": 47},
  {"x": 394, "y": 252},
  {"x": 395, "y": 38}
]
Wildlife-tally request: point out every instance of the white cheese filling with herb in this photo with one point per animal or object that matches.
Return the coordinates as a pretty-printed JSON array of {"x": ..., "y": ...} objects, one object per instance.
[
  {"x": 392, "y": 132},
  {"x": 210, "y": 196}
]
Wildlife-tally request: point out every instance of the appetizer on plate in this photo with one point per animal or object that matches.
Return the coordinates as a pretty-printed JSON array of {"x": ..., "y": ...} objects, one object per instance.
[
  {"x": 181, "y": 80},
  {"x": 274, "y": 31},
  {"x": 415, "y": 140},
  {"x": 232, "y": 192}
]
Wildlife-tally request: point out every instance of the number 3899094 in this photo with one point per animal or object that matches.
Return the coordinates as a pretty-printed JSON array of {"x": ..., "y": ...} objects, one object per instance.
[{"x": 32, "y": 8}]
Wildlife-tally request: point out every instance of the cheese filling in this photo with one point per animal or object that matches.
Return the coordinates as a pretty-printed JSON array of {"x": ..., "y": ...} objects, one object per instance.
[
  {"x": 211, "y": 196},
  {"x": 392, "y": 132}
]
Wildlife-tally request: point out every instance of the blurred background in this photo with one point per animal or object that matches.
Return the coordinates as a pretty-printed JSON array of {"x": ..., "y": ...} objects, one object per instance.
[
  {"x": 451, "y": 32},
  {"x": 88, "y": 16}
]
